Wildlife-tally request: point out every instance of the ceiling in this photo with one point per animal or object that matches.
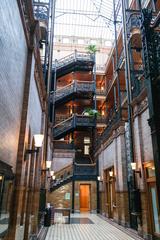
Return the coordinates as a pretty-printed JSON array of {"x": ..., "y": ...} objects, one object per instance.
[{"x": 86, "y": 18}]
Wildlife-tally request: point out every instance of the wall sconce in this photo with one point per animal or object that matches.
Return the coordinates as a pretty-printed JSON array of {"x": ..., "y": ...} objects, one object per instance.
[
  {"x": 1, "y": 177},
  {"x": 111, "y": 173},
  {"x": 134, "y": 166},
  {"x": 102, "y": 88},
  {"x": 38, "y": 141},
  {"x": 53, "y": 177},
  {"x": 48, "y": 166},
  {"x": 99, "y": 179},
  {"x": 51, "y": 174}
]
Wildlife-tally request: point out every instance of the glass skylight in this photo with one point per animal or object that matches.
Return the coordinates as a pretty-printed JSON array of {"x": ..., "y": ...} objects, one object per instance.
[{"x": 86, "y": 18}]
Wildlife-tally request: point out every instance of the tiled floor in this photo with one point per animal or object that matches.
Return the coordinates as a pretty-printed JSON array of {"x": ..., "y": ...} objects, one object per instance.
[{"x": 99, "y": 230}]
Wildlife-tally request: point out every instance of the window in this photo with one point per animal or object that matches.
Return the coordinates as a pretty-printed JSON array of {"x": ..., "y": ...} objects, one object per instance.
[
  {"x": 94, "y": 42},
  {"x": 108, "y": 43},
  {"x": 87, "y": 140},
  {"x": 86, "y": 149},
  {"x": 65, "y": 40},
  {"x": 80, "y": 41}
]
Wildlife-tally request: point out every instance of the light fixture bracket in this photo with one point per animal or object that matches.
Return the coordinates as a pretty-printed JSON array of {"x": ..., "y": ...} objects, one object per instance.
[{"x": 30, "y": 151}]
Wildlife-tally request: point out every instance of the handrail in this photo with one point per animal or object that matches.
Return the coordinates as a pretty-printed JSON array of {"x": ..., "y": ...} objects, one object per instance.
[
  {"x": 74, "y": 115},
  {"x": 85, "y": 164},
  {"x": 75, "y": 55},
  {"x": 63, "y": 122},
  {"x": 62, "y": 169},
  {"x": 79, "y": 81},
  {"x": 59, "y": 89}
]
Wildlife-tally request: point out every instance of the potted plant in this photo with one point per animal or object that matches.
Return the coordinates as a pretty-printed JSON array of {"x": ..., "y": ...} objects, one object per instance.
[
  {"x": 91, "y": 112},
  {"x": 92, "y": 49}
]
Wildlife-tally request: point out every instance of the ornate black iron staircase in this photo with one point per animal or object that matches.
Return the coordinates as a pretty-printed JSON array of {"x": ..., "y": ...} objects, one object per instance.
[
  {"x": 74, "y": 62},
  {"x": 60, "y": 182},
  {"x": 87, "y": 172},
  {"x": 82, "y": 89},
  {"x": 74, "y": 122}
]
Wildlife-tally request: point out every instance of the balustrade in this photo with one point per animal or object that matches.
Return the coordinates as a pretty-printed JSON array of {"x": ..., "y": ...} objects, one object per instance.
[
  {"x": 74, "y": 87},
  {"x": 73, "y": 122},
  {"x": 133, "y": 20},
  {"x": 77, "y": 56},
  {"x": 85, "y": 169}
]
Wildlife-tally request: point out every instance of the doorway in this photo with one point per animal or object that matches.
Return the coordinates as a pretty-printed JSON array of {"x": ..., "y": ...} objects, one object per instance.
[
  {"x": 110, "y": 194},
  {"x": 84, "y": 197},
  {"x": 153, "y": 199}
]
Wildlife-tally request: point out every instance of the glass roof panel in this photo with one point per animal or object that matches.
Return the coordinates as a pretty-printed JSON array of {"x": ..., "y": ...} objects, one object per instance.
[{"x": 86, "y": 18}]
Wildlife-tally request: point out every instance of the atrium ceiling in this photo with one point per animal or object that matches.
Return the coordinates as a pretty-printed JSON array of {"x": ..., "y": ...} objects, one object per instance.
[{"x": 86, "y": 18}]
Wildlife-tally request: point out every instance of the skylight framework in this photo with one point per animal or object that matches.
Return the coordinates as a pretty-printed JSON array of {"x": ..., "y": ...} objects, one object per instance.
[{"x": 86, "y": 18}]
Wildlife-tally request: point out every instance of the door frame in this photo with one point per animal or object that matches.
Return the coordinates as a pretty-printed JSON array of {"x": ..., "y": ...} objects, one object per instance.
[
  {"x": 110, "y": 184},
  {"x": 151, "y": 181}
]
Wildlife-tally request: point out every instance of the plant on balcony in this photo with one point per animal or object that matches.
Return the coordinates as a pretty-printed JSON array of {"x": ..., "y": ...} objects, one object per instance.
[
  {"x": 91, "y": 49},
  {"x": 91, "y": 112}
]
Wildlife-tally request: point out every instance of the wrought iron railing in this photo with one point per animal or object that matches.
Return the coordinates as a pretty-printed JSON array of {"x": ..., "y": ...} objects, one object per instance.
[
  {"x": 137, "y": 82},
  {"x": 61, "y": 117},
  {"x": 76, "y": 56},
  {"x": 110, "y": 83},
  {"x": 63, "y": 126},
  {"x": 74, "y": 87},
  {"x": 112, "y": 119},
  {"x": 101, "y": 119},
  {"x": 133, "y": 20},
  {"x": 85, "y": 169},
  {"x": 100, "y": 92},
  {"x": 121, "y": 59},
  {"x": 63, "y": 176},
  {"x": 62, "y": 144},
  {"x": 123, "y": 96},
  {"x": 100, "y": 68},
  {"x": 73, "y": 122},
  {"x": 41, "y": 9}
]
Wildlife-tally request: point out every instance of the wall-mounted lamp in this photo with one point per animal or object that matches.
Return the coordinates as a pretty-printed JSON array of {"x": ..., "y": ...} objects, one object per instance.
[
  {"x": 38, "y": 141},
  {"x": 99, "y": 178},
  {"x": 134, "y": 167},
  {"x": 1, "y": 177},
  {"x": 48, "y": 166},
  {"x": 51, "y": 174},
  {"x": 53, "y": 177},
  {"x": 111, "y": 173}
]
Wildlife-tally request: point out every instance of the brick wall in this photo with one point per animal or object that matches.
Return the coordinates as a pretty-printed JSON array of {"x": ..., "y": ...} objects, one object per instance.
[
  {"x": 12, "y": 75},
  {"x": 57, "y": 198}
]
